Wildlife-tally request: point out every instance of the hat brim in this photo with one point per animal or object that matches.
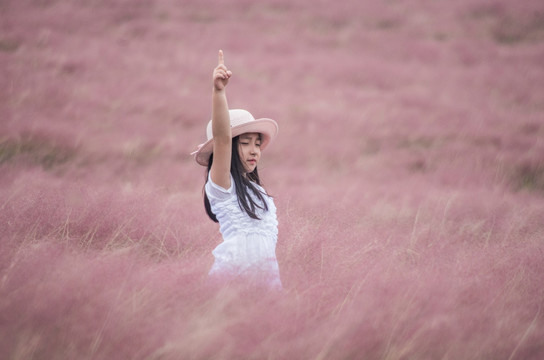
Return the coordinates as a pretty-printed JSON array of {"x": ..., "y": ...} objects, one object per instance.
[{"x": 268, "y": 129}]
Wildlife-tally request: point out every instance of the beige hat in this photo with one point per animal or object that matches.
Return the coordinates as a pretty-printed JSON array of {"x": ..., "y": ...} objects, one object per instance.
[{"x": 241, "y": 122}]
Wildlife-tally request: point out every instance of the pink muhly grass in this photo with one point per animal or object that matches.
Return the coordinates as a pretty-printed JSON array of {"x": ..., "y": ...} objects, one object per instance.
[{"x": 408, "y": 178}]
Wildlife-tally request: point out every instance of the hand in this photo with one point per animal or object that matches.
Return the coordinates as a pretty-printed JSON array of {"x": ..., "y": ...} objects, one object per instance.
[{"x": 221, "y": 74}]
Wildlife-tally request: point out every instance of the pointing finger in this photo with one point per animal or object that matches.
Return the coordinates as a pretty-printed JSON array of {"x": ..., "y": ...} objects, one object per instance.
[{"x": 221, "y": 60}]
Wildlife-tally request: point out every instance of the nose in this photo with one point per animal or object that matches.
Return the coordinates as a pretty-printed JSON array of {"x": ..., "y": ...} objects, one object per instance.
[{"x": 253, "y": 149}]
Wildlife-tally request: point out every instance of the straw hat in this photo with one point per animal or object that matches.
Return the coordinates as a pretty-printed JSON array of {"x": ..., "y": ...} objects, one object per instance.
[{"x": 241, "y": 122}]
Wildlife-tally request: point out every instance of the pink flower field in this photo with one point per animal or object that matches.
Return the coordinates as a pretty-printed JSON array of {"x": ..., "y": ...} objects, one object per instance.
[{"x": 408, "y": 175}]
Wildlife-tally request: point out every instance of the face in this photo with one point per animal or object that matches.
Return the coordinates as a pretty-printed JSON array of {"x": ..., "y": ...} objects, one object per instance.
[{"x": 249, "y": 149}]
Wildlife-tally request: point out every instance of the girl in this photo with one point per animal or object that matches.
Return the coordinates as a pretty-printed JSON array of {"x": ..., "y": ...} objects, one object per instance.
[{"x": 233, "y": 195}]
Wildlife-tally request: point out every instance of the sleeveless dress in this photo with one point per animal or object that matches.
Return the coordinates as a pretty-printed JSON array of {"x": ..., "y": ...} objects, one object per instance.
[{"x": 248, "y": 249}]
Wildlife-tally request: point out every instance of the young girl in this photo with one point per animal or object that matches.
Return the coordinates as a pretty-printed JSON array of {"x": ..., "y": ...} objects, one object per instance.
[{"x": 233, "y": 195}]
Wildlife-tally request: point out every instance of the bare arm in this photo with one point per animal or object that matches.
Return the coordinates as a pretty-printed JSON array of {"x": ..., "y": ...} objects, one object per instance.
[{"x": 222, "y": 138}]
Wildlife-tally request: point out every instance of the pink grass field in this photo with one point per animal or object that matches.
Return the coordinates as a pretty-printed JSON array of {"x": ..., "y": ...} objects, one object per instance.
[{"x": 408, "y": 175}]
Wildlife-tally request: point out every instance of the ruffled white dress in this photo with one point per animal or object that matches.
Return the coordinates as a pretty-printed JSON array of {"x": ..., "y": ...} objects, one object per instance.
[{"x": 249, "y": 245}]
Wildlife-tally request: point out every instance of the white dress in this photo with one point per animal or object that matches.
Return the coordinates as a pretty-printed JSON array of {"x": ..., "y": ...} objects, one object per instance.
[{"x": 249, "y": 245}]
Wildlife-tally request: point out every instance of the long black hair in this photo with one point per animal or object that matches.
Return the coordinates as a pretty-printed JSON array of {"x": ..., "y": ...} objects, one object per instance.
[{"x": 243, "y": 185}]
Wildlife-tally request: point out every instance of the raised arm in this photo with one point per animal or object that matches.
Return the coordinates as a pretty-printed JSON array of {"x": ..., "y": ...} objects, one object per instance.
[{"x": 222, "y": 138}]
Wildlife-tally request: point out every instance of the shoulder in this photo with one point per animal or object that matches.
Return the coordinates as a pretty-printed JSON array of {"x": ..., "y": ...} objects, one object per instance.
[{"x": 214, "y": 191}]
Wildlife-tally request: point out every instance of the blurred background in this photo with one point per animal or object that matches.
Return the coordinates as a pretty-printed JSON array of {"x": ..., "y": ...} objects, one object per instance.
[{"x": 408, "y": 175}]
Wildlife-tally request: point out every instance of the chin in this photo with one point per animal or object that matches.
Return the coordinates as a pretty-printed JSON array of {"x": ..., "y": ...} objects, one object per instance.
[{"x": 250, "y": 169}]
